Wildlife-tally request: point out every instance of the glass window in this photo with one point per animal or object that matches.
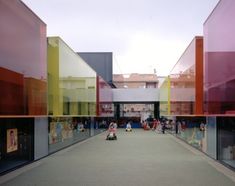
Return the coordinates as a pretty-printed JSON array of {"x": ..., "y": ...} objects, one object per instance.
[
  {"x": 72, "y": 83},
  {"x": 64, "y": 131},
  {"x": 219, "y": 66},
  {"x": 226, "y": 140},
  {"x": 105, "y": 99},
  {"x": 193, "y": 130},
  {"x": 23, "y": 66},
  {"x": 185, "y": 98}
]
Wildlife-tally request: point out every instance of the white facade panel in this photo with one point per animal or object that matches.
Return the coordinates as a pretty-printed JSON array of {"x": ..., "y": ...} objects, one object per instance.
[{"x": 136, "y": 95}]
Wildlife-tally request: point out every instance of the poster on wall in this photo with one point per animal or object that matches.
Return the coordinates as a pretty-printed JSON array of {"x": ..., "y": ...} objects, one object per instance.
[{"x": 12, "y": 140}]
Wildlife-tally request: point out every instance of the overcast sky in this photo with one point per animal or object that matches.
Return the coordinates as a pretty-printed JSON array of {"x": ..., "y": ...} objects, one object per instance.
[{"x": 142, "y": 34}]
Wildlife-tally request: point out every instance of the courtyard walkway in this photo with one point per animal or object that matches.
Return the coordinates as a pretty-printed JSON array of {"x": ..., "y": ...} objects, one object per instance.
[{"x": 138, "y": 158}]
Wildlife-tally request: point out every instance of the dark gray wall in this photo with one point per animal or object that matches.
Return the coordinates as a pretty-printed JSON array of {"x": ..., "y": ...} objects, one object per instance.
[
  {"x": 41, "y": 137},
  {"x": 101, "y": 62}
]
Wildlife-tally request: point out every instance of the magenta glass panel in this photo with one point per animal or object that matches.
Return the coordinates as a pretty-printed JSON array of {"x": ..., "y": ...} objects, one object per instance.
[
  {"x": 22, "y": 61},
  {"x": 105, "y": 99},
  {"x": 219, "y": 59}
]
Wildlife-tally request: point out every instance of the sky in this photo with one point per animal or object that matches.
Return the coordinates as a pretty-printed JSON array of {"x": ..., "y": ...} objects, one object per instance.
[{"x": 145, "y": 36}]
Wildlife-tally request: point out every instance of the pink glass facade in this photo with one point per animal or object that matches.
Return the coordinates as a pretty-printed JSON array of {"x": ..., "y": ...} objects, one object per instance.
[
  {"x": 23, "y": 64},
  {"x": 219, "y": 60},
  {"x": 104, "y": 99}
]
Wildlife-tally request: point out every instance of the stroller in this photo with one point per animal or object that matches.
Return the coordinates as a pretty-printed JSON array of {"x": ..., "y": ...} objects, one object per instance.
[{"x": 112, "y": 133}]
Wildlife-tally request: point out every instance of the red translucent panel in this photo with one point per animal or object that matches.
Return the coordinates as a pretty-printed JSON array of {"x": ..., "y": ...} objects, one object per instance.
[
  {"x": 23, "y": 64},
  {"x": 105, "y": 98}
]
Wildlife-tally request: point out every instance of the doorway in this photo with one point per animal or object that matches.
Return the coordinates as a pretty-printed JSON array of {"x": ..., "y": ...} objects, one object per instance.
[{"x": 16, "y": 142}]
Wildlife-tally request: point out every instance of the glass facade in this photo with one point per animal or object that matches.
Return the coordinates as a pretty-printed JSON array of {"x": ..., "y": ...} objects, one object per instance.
[
  {"x": 64, "y": 131},
  {"x": 71, "y": 82},
  {"x": 186, "y": 81},
  {"x": 198, "y": 131},
  {"x": 226, "y": 140},
  {"x": 23, "y": 66},
  {"x": 23, "y": 82},
  {"x": 76, "y": 95},
  {"x": 219, "y": 66},
  {"x": 202, "y": 84},
  {"x": 190, "y": 130},
  {"x": 104, "y": 99},
  {"x": 67, "y": 130},
  {"x": 47, "y": 79}
]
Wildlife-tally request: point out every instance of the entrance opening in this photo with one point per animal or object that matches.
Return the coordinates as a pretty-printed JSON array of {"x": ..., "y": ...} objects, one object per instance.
[
  {"x": 16, "y": 142},
  {"x": 136, "y": 113}
]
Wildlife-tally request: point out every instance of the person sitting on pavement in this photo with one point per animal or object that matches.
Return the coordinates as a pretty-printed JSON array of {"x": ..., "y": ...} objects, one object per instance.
[
  {"x": 146, "y": 126},
  {"x": 112, "y": 128},
  {"x": 128, "y": 126},
  {"x": 155, "y": 122}
]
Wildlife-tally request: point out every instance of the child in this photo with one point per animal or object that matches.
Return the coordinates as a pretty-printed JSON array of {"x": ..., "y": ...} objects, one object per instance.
[{"x": 128, "y": 127}]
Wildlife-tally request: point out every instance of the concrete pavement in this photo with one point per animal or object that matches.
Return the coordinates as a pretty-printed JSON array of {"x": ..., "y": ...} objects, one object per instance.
[{"x": 138, "y": 158}]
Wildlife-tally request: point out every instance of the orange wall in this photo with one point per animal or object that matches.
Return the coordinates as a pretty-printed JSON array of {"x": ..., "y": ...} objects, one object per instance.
[
  {"x": 199, "y": 76},
  {"x": 12, "y": 91},
  {"x": 36, "y": 93}
]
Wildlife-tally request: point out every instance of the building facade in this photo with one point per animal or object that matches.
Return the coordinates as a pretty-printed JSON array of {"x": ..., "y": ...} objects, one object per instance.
[
  {"x": 136, "y": 111},
  {"x": 49, "y": 94},
  {"x": 51, "y": 98},
  {"x": 23, "y": 82},
  {"x": 207, "y": 119},
  {"x": 219, "y": 77}
]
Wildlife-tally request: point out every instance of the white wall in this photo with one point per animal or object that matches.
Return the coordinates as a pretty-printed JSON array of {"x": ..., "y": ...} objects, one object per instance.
[{"x": 136, "y": 95}]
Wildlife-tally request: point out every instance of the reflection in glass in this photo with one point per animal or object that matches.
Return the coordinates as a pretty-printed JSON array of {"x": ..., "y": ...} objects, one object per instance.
[
  {"x": 105, "y": 99},
  {"x": 219, "y": 66},
  {"x": 23, "y": 61},
  {"x": 64, "y": 131},
  {"x": 72, "y": 83},
  {"x": 186, "y": 81},
  {"x": 226, "y": 140},
  {"x": 193, "y": 130}
]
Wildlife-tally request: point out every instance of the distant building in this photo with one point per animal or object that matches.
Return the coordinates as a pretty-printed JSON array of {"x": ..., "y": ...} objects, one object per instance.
[
  {"x": 132, "y": 81},
  {"x": 135, "y": 80}
]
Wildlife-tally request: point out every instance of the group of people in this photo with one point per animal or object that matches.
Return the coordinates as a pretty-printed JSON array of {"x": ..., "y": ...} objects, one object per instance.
[
  {"x": 156, "y": 125},
  {"x": 113, "y": 129}
]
